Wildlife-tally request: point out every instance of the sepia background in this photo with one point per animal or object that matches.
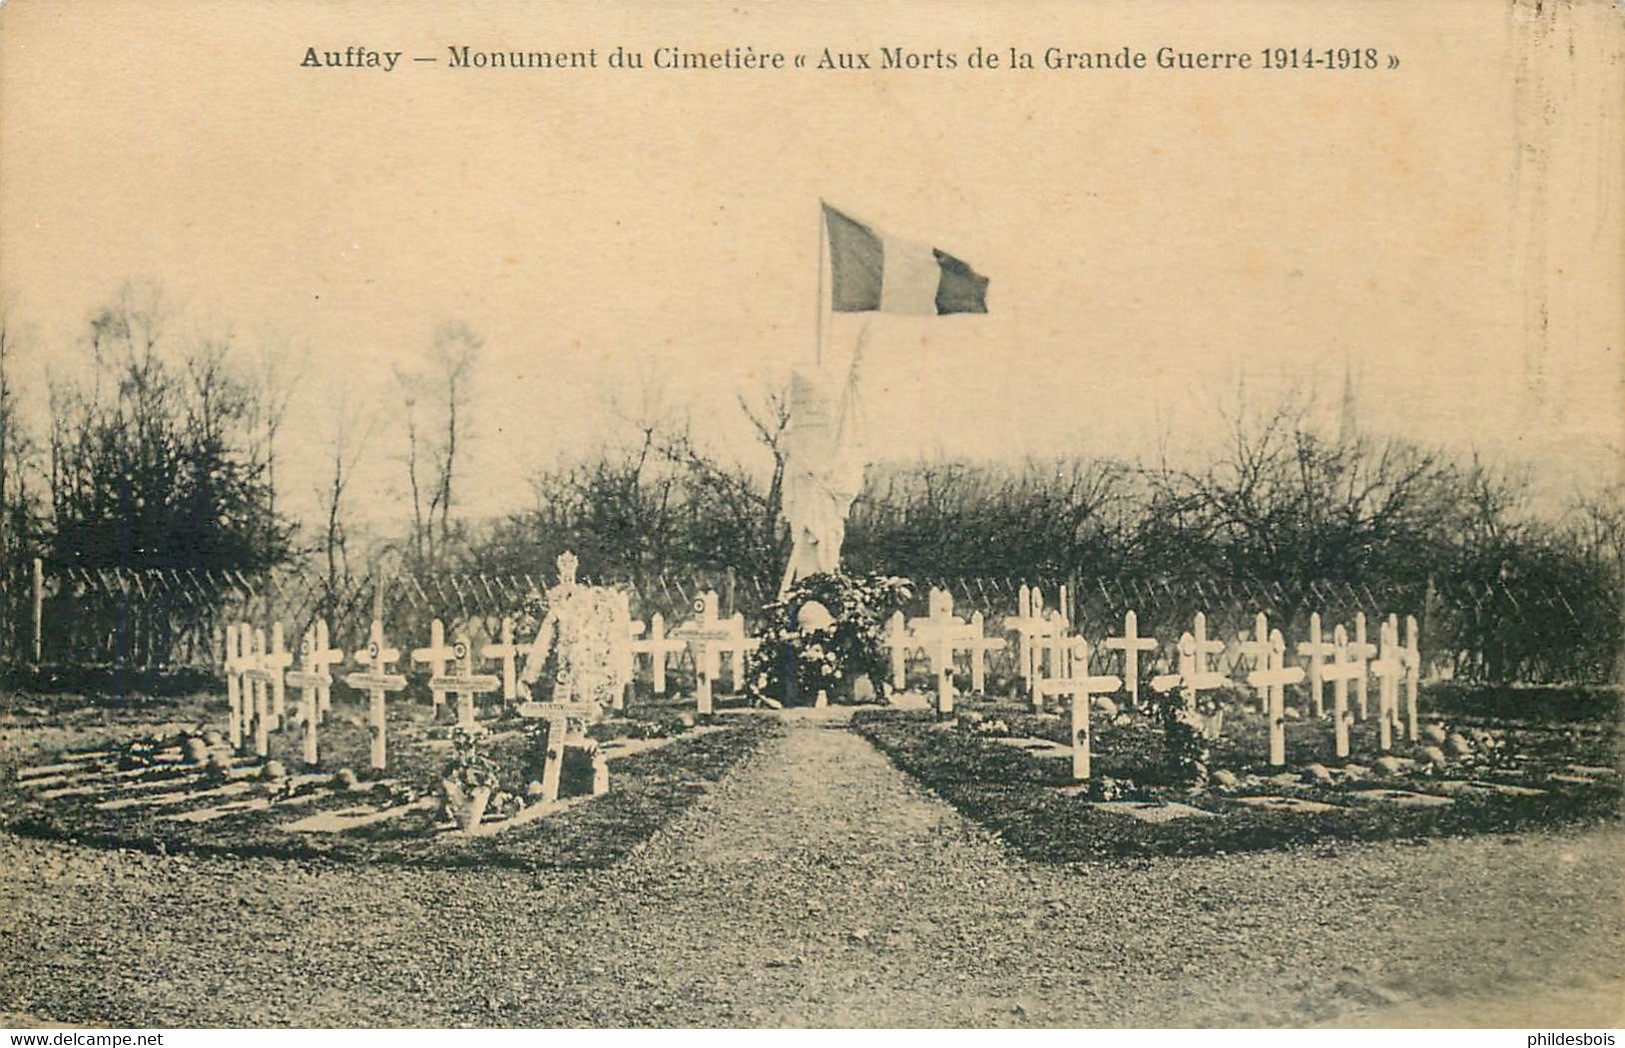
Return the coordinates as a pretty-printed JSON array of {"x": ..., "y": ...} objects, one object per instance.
[{"x": 636, "y": 242}]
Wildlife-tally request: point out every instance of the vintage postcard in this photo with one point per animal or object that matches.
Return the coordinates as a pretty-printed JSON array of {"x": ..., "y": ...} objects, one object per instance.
[{"x": 811, "y": 514}]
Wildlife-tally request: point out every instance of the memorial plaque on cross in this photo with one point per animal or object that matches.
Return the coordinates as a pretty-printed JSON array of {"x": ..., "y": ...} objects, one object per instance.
[
  {"x": 377, "y": 681},
  {"x": 1340, "y": 671},
  {"x": 464, "y": 683},
  {"x": 1316, "y": 650},
  {"x": 706, "y": 637},
  {"x": 1078, "y": 682},
  {"x": 559, "y": 717},
  {"x": 1131, "y": 644},
  {"x": 1272, "y": 680}
]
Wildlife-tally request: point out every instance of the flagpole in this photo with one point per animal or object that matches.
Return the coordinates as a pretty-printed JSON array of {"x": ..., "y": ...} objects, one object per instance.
[{"x": 818, "y": 303}]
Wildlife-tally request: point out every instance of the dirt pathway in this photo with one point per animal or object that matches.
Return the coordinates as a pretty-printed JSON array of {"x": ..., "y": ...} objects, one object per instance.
[{"x": 819, "y": 886}]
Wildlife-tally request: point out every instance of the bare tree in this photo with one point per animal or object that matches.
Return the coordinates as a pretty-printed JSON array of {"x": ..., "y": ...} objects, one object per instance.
[
  {"x": 436, "y": 398},
  {"x": 351, "y": 436}
]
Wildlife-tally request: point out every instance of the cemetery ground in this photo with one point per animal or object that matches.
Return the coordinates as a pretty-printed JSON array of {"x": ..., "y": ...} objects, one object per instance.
[
  {"x": 1506, "y": 759},
  {"x": 783, "y": 871}
]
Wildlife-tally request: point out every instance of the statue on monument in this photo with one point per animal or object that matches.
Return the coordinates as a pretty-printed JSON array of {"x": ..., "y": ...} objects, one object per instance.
[{"x": 823, "y": 467}]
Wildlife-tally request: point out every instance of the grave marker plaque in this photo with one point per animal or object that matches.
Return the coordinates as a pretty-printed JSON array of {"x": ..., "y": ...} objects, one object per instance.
[{"x": 377, "y": 682}]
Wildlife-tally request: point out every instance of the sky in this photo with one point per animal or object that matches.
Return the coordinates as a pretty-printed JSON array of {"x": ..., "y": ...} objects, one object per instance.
[{"x": 634, "y": 242}]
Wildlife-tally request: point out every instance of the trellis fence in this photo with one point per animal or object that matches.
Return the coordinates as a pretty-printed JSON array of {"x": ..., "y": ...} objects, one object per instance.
[{"x": 155, "y": 619}]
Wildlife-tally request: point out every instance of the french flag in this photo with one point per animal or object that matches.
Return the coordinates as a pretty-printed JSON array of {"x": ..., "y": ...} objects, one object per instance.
[{"x": 872, "y": 272}]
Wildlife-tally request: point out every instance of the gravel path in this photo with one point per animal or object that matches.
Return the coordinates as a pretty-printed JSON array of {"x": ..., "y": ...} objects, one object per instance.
[{"x": 819, "y": 886}]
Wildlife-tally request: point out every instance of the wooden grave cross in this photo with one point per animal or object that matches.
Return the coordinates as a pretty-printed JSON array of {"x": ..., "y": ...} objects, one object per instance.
[
  {"x": 1362, "y": 652},
  {"x": 1388, "y": 667},
  {"x": 1194, "y": 673},
  {"x": 1131, "y": 644},
  {"x": 1258, "y": 649},
  {"x": 506, "y": 651},
  {"x": 311, "y": 679},
  {"x": 1317, "y": 650},
  {"x": 981, "y": 648},
  {"x": 276, "y": 662},
  {"x": 1340, "y": 671},
  {"x": 435, "y": 656},
  {"x": 377, "y": 682},
  {"x": 898, "y": 642},
  {"x": 259, "y": 677},
  {"x": 706, "y": 636},
  {"x": 236, "y": 686},
  {"x": 659, "y": 647},
  {"x": 1410, "y": 653},
  {"x": 936, "y": 634},
  {"x": 558, "y": 716},
  {"x": 464, "y": 683},
  {"x": 1030, "y": 626},
  {"x": 1075, "y": 680},
  {"x": 1272, "y": 680},
  {"x": 624, "y": 639}
]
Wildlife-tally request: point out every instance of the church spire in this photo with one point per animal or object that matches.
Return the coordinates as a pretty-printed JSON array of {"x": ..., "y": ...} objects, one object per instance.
[{"x": 1348, "y": 427}]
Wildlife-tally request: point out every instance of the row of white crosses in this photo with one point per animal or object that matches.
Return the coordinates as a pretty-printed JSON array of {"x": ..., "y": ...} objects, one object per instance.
[
  {"x": 258, "y": 673},
  {"x": 1395, "y": 665},
  {"x": 1040, "y": 632},
  {"x": 941, "y": 635},
  {"x": 255, "y": 685}
]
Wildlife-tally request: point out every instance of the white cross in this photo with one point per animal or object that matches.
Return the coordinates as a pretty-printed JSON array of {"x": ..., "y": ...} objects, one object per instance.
[
  {"x": 1131, "y": 644},
  {"x": 1035, "y": 632},
  {"x": 1411, "y": 655},
  {"x": 981, "y": 648},
  {"x": 277, "y": 660},
  {"x": 1316, "y": 650},
  {"x": 1258, "y": 649},
  {"x": 1076, "y": 681},
  {"x": 1194, "y": 673},
  {"x": 377, "y": 681},
  {"x": 435, "y": 656},
  {"x": 1272, "y": 679},
  {"x": 236, "y": 666},
  {"x": 707, "y": 636},
  {"x": 507, "y": 651},
  {"x": 1340, "y": 671},
  {"x": 311, "y": 679},
  {"x": 1361, "y": 652},
  {"x": 464, "y": 683},
  {"x": 624, "y": 634},
  {"x": 558, "y": 716},
  {"x": 936, "y": 634},
  {"x": 659, "y": 648},
  {"x": 1389, "y": 668},
  {"x": 898, "y": 642},
  {"x": 259, "y": 678}
]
